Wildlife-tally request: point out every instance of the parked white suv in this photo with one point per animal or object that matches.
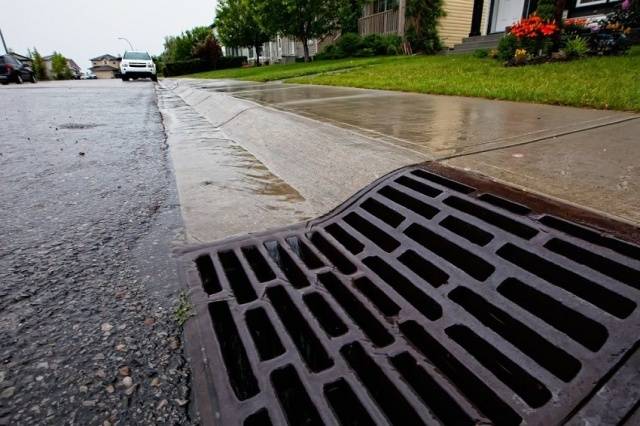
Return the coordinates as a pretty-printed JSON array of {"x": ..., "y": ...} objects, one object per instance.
[{"x": 137, "y": 65}]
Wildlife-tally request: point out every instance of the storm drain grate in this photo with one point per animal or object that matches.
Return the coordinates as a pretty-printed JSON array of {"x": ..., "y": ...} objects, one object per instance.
[{"x": 423, "y": 299}]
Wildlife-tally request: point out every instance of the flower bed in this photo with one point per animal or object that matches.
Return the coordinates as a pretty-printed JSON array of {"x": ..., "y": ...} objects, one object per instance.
[{"x": 535, "y": 40}]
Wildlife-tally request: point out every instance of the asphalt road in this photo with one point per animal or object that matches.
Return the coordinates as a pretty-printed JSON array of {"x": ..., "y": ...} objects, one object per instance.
[{"x": 88, "y": 217}]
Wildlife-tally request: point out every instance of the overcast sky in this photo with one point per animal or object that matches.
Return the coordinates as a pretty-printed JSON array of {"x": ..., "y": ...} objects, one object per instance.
[{"x": 83, "y": 29}]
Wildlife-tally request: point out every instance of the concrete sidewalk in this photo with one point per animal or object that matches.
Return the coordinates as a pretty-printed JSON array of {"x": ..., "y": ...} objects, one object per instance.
[{"x": 327, "y": 142}]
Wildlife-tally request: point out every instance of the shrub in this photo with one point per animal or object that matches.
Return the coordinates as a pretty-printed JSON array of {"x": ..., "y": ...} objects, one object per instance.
[
  {"x": 375, "y": 42},
  {"x": 422, "y": 26},
  {"x": 331, "y": 52},
  {"x": 507, "y": 47},
  {"x": 546, "y": 9},
  {"x": 192, "y": 66},
  {"x": 481, "y": 53},
  {"x": 349, "y": 43},
  {"x": 576, "y": 47}
]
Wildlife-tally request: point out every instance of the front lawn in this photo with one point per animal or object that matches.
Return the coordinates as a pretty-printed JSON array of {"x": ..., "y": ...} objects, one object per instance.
[
  {"x": 598, "y": 82},
  {"x": 281, "y": 72}
]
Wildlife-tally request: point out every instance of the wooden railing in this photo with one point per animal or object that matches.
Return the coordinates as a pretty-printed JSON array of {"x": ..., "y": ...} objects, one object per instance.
[{"x": 379, "y": 23}]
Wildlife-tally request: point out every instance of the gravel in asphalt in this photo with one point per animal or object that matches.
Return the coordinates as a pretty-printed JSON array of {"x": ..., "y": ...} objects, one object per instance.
[{"x": 89, "y": 215}]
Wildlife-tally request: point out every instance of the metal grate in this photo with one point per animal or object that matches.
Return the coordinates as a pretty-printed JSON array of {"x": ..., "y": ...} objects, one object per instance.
[{"x": 423, "y": 299}]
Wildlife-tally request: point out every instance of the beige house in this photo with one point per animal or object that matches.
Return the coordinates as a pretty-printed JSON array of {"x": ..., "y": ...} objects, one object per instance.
[
  {"x": 462, "y": 19},
  {"x": 105, "y": 66},
  {"x": 468, "y": 18}
]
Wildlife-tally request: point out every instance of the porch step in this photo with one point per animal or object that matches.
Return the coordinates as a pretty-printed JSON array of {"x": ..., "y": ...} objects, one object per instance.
[{"x": 471, "y": 44}]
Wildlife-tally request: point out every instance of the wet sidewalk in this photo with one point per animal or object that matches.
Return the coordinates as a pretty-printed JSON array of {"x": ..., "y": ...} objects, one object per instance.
[{"x": 327, "y": 142}]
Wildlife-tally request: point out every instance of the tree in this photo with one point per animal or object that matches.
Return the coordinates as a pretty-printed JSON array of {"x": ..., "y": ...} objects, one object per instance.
[
  {"x": 59, "y": 67},
  {"x": 39, "y": 68},
  {"x": 238, "y": 25},
  {"x": 180, "y": 47},
  {"x": 303, "y": 20},
  {"x": 208, "y": 50},
  {"x": 349, "y": 12},
  {"x": 422, "y": 25}
]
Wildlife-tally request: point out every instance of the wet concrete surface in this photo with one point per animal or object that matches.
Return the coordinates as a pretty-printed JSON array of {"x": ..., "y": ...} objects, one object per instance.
[
  {"x": 598, "y": 168},
  {"x": 224, "y": 189},
  {"x": 473, "y": 133},
  {"x": 272, "y": 168},
  {"x": 87, "y": 282}
]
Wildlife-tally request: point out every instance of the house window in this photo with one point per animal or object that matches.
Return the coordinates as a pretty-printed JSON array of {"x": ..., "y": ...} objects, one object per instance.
[
  {"x": 586, "y": 3},
  {"x": 382, "y": 5}
]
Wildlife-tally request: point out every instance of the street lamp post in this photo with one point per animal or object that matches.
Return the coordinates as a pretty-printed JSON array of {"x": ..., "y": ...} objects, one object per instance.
[
  {"x": 3, "y": 43},
  {"x": 127, "y": 40}
]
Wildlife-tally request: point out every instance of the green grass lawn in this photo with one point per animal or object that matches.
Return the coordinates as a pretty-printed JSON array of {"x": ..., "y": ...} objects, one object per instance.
[
  {"x": 598, "y": 82},
  {"x": 281, "y": 72}
]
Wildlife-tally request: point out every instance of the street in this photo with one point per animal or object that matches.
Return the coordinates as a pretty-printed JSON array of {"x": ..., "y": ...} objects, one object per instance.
[{"x": 87, "y": 282}]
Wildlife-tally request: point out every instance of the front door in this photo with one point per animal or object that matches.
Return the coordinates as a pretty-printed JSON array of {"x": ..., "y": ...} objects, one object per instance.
[{"x": 508, "y": 13}]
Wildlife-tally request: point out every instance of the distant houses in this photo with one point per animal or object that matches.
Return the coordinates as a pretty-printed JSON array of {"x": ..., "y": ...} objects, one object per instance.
[
  {"x": 76, "y": 71},
  {"x": 105, "y": 66}
]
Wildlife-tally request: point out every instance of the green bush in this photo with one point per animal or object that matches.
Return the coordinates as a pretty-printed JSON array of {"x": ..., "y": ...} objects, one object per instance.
[
  {"x": 349, "y": 43},
  {"x": 546, "y": 9},
  {"x": 481, "y": 53},
  {"x": 507, "y": 47},
  {"x": 576, "y": 47}
]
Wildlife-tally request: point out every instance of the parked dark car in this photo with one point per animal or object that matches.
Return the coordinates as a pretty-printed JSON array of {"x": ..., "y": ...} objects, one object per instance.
[{"x": 12, "y": 69}]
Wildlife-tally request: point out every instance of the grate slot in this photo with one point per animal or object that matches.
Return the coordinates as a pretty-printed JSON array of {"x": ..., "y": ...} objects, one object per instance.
[
  {"x": 338, "y": 259},
  {"x": 293, "y": 398},
  {"x": 259, "y": 418},
  {"x": 208, "y": 276},
  {"x": 589, "y": 333},
  {"x": 258, "y": 264},
  {"x": 302, "y": 250},
  {"x": 346, "y": 405},
  {"x": 552, "y": 358},
  {"x": 530, "y": 389},
  {"x": 376, "y": 296},
  {"x": 512, "y": 226},
  {"x": 505, "y": 204},
  {"x": 473, "y": 265},
  {"x": 420, "y": 187},
  {"x": 423, "y": 209},
  {"x": 379, "y": 237},
  {"x": 430, "y": 392},
  {"x": 264, "y": 335},
  {"x": 476, "y": 391},
  {"x": 467, "y": 231},
  {"x": 592, "y": 236},
  {"x": 593, "y": 293},
  {"x": 308, "y": 344},
  {"x": 456, "y": 186},
  {"x": 237, "y": 277},
  {"x": 423, "y": 268},
  {"x": 241, "y": 377},
  {"x": 382, "y": 390},
  {"x": 608, "y": 267},
  {"x": 289, "y": 268},
  {"x": 405, "y": 288},
  {"x": 343, "y": 237},
  {"x": 382, "y": 212},
  {"x": 328, "y": 319},
  {"x": 368, "y": 323}
]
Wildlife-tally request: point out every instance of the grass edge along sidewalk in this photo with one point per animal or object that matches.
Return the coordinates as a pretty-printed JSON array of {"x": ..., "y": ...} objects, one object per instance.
[{"x": 599, "y": 82}]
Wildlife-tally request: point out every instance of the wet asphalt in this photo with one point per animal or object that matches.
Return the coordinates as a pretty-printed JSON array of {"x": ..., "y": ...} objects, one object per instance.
[{"x": 89, "y": 216}]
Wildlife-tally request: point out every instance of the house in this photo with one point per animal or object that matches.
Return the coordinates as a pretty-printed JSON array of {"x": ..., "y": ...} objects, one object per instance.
[
  {"x": 76, "y": 71},
  {"x": 105, "y": 66},
  {"x": 279, "y": 50},
  {"x": 468, "y": 18}
]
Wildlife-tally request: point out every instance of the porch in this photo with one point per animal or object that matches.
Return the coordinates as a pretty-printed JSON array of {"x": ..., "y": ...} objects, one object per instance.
[{"x": 386, "y": 22}]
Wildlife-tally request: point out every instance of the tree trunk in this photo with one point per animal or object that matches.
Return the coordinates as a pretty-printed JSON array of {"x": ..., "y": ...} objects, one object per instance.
[
  {"x": 305, "y": 45},
  {"x": 257, "y": 47}
]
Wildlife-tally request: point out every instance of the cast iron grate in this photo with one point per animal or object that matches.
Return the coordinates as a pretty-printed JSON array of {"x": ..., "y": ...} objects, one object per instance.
[{"x": 423, "y": 299}]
